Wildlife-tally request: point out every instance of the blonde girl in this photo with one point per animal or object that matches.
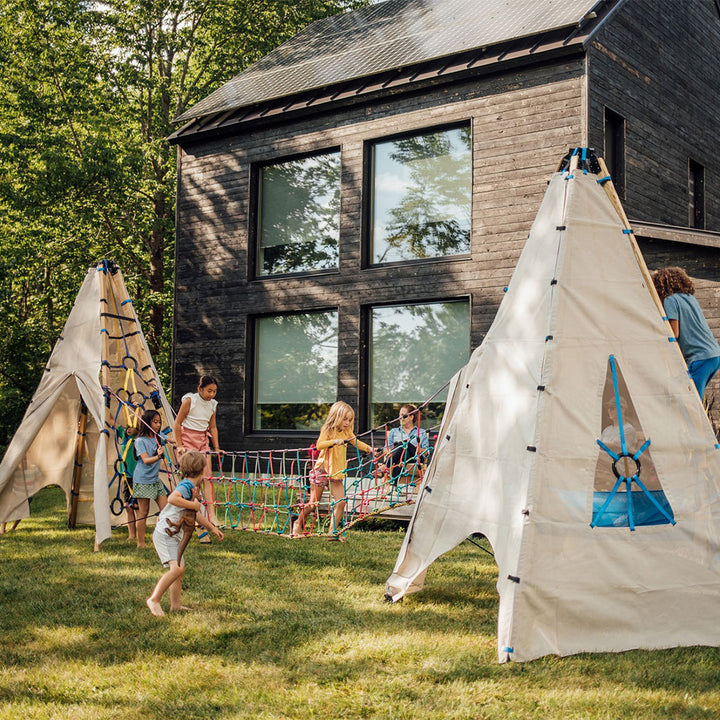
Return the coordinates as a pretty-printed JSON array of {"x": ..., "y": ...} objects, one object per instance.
[
  {"x": 329, "y": 468},
  {"x": 195, "y": 426}
]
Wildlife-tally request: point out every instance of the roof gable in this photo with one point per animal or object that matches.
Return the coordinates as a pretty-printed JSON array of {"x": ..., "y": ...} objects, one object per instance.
[{"x": 389, "y": 35}]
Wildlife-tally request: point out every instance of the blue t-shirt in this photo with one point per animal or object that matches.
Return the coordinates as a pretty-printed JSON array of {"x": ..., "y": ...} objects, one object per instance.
[
  {"x": 146, "y": 474},
  {"x": 185, "y": 488},
  {"x": 694, "y": 337}
]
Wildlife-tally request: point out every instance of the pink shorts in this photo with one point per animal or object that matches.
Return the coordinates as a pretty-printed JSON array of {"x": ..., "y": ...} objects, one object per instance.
[{"x": 195, "y": 440}]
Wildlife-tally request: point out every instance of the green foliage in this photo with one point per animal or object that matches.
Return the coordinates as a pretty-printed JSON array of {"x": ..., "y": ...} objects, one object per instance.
[
  {"x": 285, "y": 630},
  {"x": 88, "y": 92}
]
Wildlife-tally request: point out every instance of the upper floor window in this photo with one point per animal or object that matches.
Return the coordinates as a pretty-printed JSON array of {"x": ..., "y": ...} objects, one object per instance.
[
  {"x": 296, "y": 368},
  {"x": 298, "y": 226},
  {"x": 696, "y": 195},
  {"x": 414, "y": 350},
  {"x": 615, "y": 149},
  {"x": 421, "y": 188}
]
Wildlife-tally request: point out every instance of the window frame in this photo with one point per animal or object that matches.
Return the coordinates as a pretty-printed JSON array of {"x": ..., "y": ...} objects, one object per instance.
[
  {"x": 255, "y": 213},
  {"x": 253, "y": 365},
  {"x": 368, "y": 176},
  {"x": 366, "y": 343}
]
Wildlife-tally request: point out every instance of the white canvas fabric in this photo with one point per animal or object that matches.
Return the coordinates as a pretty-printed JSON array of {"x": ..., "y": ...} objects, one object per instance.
[
  {"x": 42, "y": 451},
  {"x": 518, "y": 463}
]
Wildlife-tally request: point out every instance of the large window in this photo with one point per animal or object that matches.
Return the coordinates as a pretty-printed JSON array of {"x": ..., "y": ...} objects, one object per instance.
[
  {"x": 295, "y": 370},
  {"x": 299, "y": 215},
  {"x": 415, "y": 350},
  {"x": 421, "y": 188}
]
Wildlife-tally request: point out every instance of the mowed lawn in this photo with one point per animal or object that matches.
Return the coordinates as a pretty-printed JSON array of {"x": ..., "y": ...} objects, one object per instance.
[{"x": 293, "y": 629}]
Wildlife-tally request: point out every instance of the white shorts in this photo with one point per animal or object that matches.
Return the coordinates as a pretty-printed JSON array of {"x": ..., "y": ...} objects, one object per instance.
[{"x": 167, "y": 546}]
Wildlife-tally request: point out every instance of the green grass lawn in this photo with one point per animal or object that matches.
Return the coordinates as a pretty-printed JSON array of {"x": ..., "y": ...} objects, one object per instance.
[{"x": 293, "y": 629}]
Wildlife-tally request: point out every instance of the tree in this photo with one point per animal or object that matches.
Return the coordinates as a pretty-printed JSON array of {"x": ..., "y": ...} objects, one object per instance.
[{"x": 88, "y": 91}]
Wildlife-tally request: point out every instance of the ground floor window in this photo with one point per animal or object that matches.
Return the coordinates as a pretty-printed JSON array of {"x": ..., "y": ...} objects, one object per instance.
[
  {"x": 414, "y": 350},
  {"x": 295, "y": 370}
]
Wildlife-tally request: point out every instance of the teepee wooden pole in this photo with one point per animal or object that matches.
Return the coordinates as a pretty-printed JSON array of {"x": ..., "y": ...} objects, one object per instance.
[
  {"x": 609, "y": 188},
  {"x": 77, "y": 468}
]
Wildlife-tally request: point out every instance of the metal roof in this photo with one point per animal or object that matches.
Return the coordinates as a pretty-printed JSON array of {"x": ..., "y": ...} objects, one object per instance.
[{"x": 390, "y": 35}]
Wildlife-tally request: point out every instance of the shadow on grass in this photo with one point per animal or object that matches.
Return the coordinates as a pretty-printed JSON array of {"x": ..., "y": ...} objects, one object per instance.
[{"x": 263, "y": 599}]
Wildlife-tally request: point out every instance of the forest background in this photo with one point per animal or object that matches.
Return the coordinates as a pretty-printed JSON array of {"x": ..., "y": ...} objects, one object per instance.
[{"x": 88, "y": 93}]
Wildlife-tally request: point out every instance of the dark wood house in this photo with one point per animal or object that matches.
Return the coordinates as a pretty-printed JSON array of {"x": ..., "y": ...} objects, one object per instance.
[{"x": 350, "y": 208}]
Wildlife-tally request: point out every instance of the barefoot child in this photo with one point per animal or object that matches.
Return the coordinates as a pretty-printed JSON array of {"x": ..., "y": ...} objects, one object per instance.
[
  {"x": 147, "y": 485},
  {"x": 183, "y": 497},
  {"x": 194, "y": 422},
  {"x": 329, "y": 467}
]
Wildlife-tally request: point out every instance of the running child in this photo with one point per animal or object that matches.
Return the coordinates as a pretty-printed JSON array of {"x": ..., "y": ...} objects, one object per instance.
[{"x": 183, "y": 497}]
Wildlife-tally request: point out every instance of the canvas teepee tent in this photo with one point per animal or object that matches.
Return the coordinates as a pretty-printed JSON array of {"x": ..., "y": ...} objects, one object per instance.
[
  {"x": 100, "y": 376},
  {"x": 575, "y": 441}
]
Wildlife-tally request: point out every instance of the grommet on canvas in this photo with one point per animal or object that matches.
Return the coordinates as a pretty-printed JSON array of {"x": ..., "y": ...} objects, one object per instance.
[
  {"x": 561, "y": 227},
  {"x": 548, "y": 337},
  {"x": 427, "y": 489},
  {"x": 525, "y": 511},
  {"x": 541, "y": 388},
  {"x": 514, "y": 578},
  {"x": 553, "y": 281},
  {"x": 531, "y": 448}
]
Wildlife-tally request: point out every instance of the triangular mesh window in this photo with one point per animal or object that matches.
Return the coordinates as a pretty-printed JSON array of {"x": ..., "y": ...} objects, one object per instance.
[{"x": 627, "y": 490}]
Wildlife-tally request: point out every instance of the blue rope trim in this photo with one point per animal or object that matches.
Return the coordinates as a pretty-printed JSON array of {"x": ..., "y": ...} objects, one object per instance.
[
  {"x": 508, "y": 649},
  {"x": 672, "y": 339},
  {"x": 569, "y": 177},
  {"x": 603, "y": 180},
  {"x": 627, "y": 231},
  {"x": 618, "y": 409},
  {"x": 125, "y": 302}
]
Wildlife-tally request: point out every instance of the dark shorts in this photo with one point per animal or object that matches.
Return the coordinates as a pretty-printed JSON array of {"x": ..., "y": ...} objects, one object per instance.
[{"x": 127, "y": 492}]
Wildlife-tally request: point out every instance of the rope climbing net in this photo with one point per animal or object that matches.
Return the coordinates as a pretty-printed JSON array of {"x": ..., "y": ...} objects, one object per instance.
[
  {"x": 258, "y": 491},
  {"x": 267, "y": 491}
]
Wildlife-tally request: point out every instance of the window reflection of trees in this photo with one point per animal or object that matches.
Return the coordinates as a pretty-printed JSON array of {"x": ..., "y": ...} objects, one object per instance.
[
  {"x": 296, "y": 370},
  {"x": 416, "y": 349},
  {"x": 300, "y": 215},
  {"x": 433, "y": 217}
]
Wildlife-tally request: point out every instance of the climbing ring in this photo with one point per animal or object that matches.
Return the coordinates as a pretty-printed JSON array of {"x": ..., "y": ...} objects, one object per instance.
[{"x": 638, "y": 467}]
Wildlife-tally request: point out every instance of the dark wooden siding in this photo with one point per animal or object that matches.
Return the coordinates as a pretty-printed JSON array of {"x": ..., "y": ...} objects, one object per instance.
[
  {"x": 657, "y": 63},
  {"x": 522, "y": 125}
]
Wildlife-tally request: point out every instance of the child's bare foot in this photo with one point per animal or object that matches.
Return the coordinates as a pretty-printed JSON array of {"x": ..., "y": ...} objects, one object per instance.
[
  {"x": 141, "y": 545},
  {"x": 295, "y": 531},
  {"x": 182, "y": 608},
  {"x": 155, "y": 608}
]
